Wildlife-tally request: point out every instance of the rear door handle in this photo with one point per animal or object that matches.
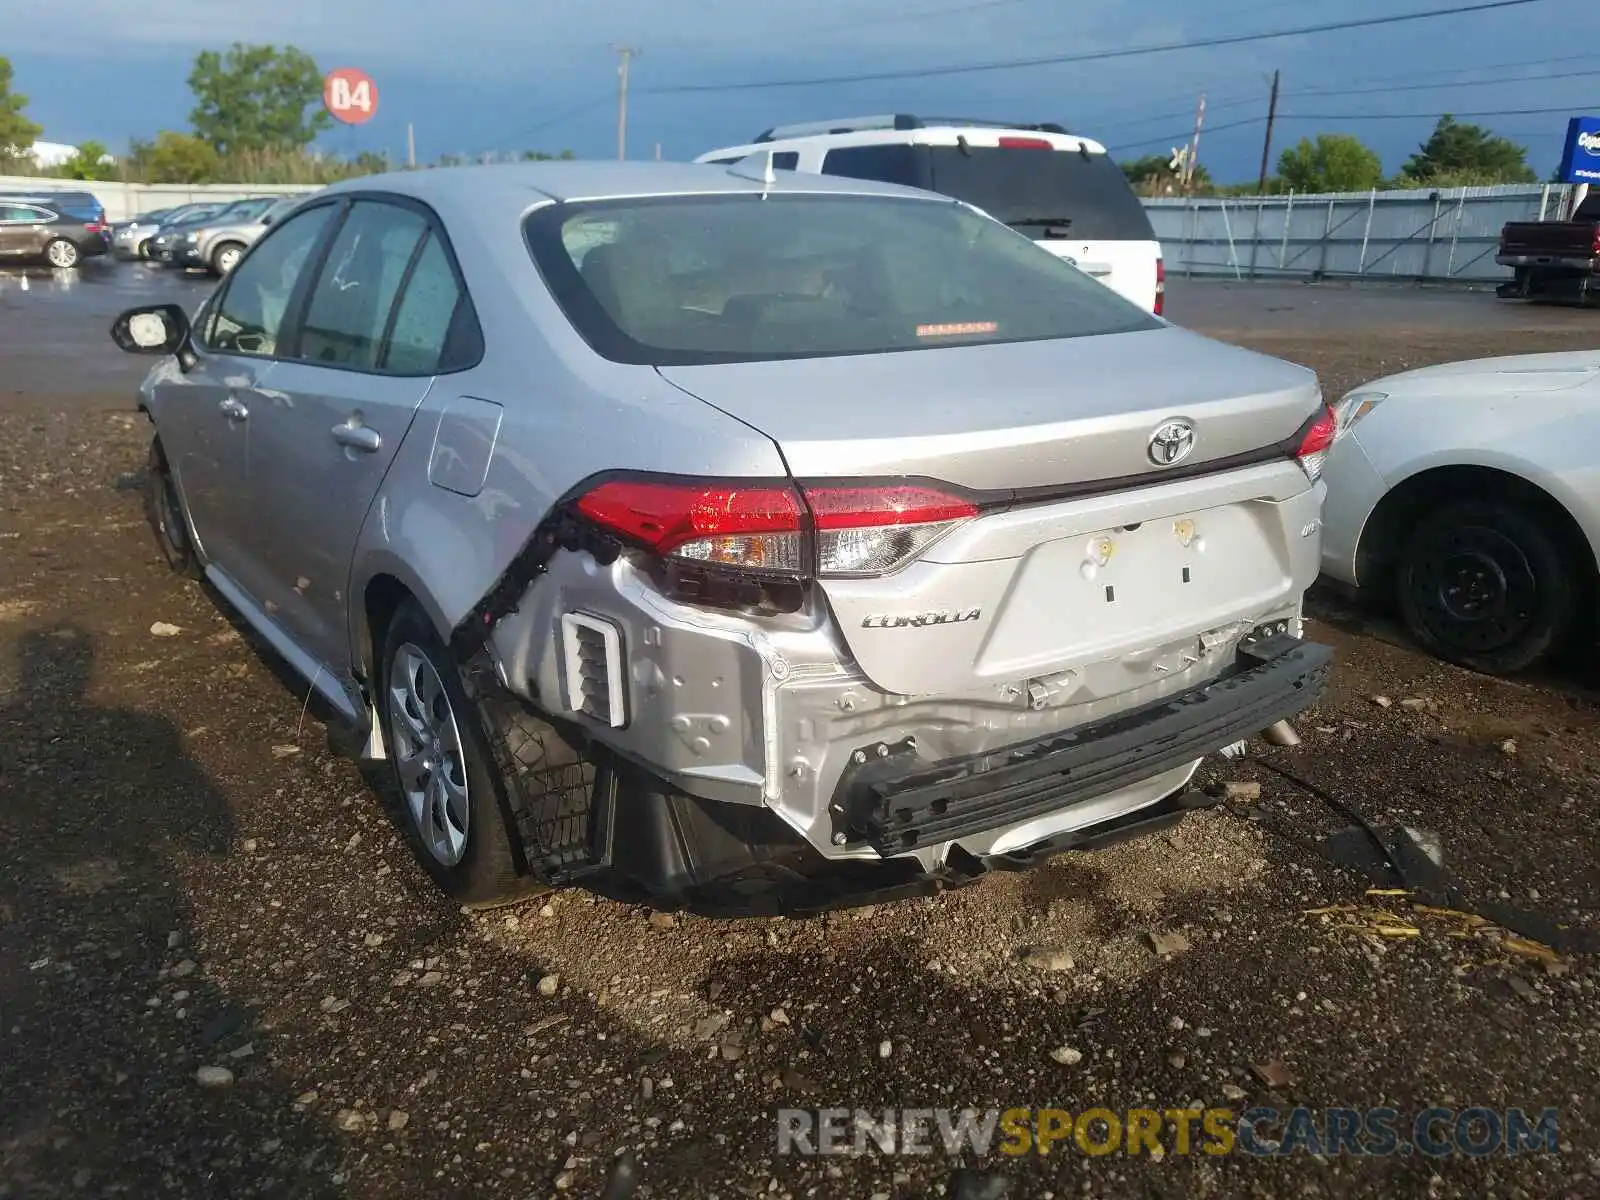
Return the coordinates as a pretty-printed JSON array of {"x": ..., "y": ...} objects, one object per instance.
[
  {"x": 357, "y": 437},
  {"x": 234, "y": 409}
]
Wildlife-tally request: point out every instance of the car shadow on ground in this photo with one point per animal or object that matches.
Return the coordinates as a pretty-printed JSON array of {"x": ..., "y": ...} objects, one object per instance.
[{"x": 107, "y": 1019}]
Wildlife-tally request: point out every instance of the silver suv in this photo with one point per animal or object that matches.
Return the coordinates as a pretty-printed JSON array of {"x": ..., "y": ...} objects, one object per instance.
[{"x": 735, "y": 544}]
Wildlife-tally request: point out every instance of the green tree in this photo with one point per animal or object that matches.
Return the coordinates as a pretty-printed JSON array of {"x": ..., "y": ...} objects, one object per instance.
[
  {"x": 91, "y": 161},
  {"x": 17, "y": 133},
  {"x": 175, "y": 158},
  {"x": 1467, "y": 154},
  {"x": 257, "y": 98},
  {"x": 1335, "y": 162}
]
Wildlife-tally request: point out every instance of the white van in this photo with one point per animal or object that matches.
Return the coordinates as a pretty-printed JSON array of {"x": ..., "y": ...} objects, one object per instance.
[{"x": 1060, "y": 189}]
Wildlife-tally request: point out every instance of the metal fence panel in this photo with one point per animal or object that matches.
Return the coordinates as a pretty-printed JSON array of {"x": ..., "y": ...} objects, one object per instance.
[{"x": 1447, "y": 234}]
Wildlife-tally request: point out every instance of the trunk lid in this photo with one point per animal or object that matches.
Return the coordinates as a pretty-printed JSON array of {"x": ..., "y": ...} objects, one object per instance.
[
  {"x": 1022, "y": 415},
  {"x": 1095, "y": 553}
]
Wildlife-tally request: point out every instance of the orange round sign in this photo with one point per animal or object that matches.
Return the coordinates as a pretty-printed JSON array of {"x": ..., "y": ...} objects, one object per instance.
[{"x": 350, "y": 95}]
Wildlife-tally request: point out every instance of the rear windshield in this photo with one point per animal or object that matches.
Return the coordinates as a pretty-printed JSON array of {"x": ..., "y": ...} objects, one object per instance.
[
  {"x": 1087, "y": 193},
  {"x": 737, "y": 278}
]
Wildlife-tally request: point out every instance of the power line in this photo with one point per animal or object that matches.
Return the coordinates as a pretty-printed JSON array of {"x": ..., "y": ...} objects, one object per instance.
[
  {"x": 1093, "y": 56},
  {"x": 1365, "y": 87},
  {"x": 1416, "y": 116}
]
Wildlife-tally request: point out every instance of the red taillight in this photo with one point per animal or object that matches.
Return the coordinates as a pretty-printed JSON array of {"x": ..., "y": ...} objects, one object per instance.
[
  {"x": 870, "y": 529},
  {"x": 835, "y": 529},
  {"x": 1161, "y": 286},
  {"x": 95, "y": 227},
  {"x": 1595, "y": 245},
  {"x": 758, "y": 527},
  {"x": 1025, "y": 143},
  {"x": 1317, "y": 440},
  {"x": 893, "y": 504}
]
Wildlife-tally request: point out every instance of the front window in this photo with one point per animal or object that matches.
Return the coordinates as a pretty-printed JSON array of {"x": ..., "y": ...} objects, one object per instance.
[
  {"x": 733, "y": 278},
  {"x": 248, "y": 317}
]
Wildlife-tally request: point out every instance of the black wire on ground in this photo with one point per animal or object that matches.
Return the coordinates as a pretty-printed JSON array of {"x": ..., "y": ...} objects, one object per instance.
[{"x": 1429, "y": 881}]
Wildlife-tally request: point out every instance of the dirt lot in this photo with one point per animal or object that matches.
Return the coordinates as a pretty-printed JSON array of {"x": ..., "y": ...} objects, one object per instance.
[{"x": 191, "y": 880}]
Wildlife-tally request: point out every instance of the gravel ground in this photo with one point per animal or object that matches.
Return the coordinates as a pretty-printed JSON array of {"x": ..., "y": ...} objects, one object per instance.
[{"x": 222, "y": 975}]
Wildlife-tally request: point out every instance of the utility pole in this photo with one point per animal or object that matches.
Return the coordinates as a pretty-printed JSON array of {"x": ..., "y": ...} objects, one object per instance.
[
  {"x": 1194, "y": 147},
  {"x": 411, "y": 147},
  {"x": 658, "y": 151},
  {"x": 625, "y": 56},
  {"x": 1266, "y": 145}
]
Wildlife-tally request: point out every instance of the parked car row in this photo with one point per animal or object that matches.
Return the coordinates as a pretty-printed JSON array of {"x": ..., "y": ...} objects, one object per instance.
[{"x": 61, "y": 228}]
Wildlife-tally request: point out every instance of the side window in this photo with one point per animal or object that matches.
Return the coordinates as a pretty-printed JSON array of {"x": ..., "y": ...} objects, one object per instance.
[
  {"x": 352, "y": 298},
  {"x": 19, "y": 212},
  {"x": 424, "y": 319},
  {"x": 886, "y": 164},
  {"x": 786, "y": 160},
  {"x": 248, "y": 316}
]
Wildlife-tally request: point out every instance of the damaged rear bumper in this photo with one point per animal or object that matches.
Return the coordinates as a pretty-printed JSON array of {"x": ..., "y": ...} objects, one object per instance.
[
  {"x": 897, "y": 802},
  {"x": 626, "y": 834}
]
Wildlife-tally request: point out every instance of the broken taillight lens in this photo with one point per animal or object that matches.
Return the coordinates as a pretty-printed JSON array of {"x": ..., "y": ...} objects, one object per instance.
[
  {"x": 1316, "y": 442},
  {"x": 822, "y": 529}
]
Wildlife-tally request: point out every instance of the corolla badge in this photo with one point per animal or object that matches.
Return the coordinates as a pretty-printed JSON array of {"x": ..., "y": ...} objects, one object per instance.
[
  {"x": 1589, "y": 143},
  {"x": 1171, "y": 442},
  {"x": 919, "y": 620}
]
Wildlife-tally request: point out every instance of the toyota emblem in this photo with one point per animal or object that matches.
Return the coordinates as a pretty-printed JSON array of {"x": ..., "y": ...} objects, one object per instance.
[{"x": 1171, "y": 443}]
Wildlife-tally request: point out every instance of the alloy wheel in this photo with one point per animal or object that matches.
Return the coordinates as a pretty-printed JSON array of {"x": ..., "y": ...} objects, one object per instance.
[
  {"x": 61, "y": 254},
  {"x": 426, "y": 744}
]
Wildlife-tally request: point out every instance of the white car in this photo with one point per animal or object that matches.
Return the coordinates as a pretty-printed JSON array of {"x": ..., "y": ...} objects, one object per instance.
[
  {"x": 1060, "y": 189},
  {"x": 1470, "y": 493}
]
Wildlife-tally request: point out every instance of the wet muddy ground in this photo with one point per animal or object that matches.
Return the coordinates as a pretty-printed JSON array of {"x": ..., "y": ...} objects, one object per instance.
[{"x": 189, "y": 881}]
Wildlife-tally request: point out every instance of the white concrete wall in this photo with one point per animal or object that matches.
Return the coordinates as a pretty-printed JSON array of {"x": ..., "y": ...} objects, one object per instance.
[{"x": 123, "y": 200}]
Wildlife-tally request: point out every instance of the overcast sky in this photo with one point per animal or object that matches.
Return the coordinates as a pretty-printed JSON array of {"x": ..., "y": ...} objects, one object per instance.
[{"x": 505, "y": 75}]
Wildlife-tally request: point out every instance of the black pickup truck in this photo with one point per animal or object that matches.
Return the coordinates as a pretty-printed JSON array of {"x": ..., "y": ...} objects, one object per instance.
[{"x": 1553, "y": 259}]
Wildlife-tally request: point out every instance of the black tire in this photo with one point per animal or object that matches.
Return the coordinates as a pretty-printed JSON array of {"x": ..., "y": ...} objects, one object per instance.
[
  {"x": 487, "y": 874},
  {"x": 61, "y": 253},
  {"x": 1485, "y": 585},
  {"x": 217, "y": 256},
  {"x": 143, "y": 250},
  {"x": 163, "y": 508}
]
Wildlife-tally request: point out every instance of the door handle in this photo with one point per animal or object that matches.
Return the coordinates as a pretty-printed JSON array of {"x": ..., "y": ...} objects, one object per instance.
[
  {"x": 234, "y": 409},
  {"x": 357, "y": 437}
]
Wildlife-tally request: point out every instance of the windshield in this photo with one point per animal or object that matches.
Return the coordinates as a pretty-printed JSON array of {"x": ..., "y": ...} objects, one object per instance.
[
  {"x": 705, "y": 279},
  {"x": 1088, "y": 194}
]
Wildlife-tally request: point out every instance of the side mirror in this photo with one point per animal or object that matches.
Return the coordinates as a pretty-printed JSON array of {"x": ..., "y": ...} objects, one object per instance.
[
  {"x": 266, "y": 219},
  {"x": 155, "y": 329}
]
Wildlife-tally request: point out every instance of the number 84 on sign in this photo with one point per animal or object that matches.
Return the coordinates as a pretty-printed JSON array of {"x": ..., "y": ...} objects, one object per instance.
[{"x": 350, "y": 95}]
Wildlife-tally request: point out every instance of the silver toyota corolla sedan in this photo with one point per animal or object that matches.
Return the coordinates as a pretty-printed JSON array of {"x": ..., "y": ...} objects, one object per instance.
[{"x": 731, "y": 540}]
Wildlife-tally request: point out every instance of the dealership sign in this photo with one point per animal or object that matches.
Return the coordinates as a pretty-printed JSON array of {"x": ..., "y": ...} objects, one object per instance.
[{"x": 1580, "y": 161}]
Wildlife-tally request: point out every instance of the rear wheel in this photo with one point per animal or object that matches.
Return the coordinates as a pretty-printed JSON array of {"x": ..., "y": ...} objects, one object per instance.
[
  {"x": 225, "y": 257},
  {"x": 61, "y": 253},
  {"x": 1485, "y": 585},
  {"x": 163, "y": 508},
  {"x": 452, "y": 795}
]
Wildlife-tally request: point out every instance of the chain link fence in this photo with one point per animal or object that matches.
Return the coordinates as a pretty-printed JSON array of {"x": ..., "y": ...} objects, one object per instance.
[{"x": 1449, "y": 234}]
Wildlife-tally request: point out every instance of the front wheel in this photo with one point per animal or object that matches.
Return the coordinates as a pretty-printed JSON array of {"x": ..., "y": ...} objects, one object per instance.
[
  {"x": 61, "y": 253},
  {"x": 452, "y": 795},
  {"x": 163, "y": 508},
  {"x": 1485, "y": 585}
]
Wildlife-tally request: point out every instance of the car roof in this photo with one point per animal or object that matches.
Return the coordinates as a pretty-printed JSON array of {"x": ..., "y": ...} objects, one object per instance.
[
  {"x": 951, "y": 134},
  {"x": 517, "y": 186}
]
